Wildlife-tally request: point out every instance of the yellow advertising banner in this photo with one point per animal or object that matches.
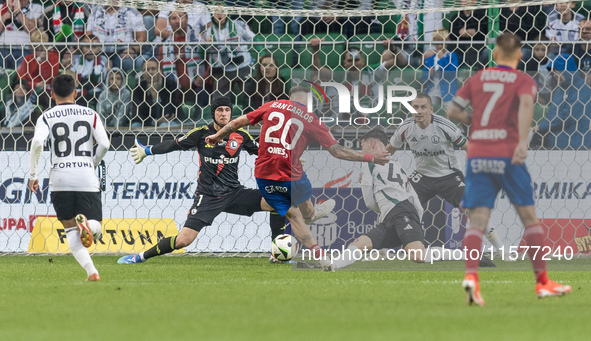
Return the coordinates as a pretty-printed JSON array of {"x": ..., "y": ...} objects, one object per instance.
[{"x": 119, "y": 235}]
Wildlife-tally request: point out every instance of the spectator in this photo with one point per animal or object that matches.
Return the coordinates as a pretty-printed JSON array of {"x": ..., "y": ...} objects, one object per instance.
[
  {"x": 321, "y": 25},
  {"x": 156, "y": 100},
  {"x": 279, "y": 23},
  {"x": 563, "y": 25},
  {"x": 39, "y": 67},
  {"x": 230, "y": 64},
  {"x": 183, "y": 62},
  {"x": 527, "y": 22},
  {"x": 537, "y": 67},
  {"x": 67, "y": 21},
  {"x": 407, "y": 31},
  {"x": 582, "y": 51},
  {"x": 91, "y": 67},
  {"x": 19, "y": 18},
  {"x": 470, "y": 26},
  {"x": 66, "y": 60},
  {"x": 113, "y": 103},
  {"x": 119, "y": 25},
  {"x": 199, "y": 21},
  {"x": 440, "y": 70},
  {"x": 432, "y": 21},
  {"x": 266, "y": 85},
  {"x": 567, "y": 123},
  {"x": 349, "y": 26},
  {"x": 20, "y": 109},
  {"x": 367, "y": 78}
]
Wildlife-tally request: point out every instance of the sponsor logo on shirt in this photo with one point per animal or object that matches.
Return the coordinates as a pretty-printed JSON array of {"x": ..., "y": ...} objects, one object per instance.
[
  {"x": 488, "y": 166},
  {"x": 222, "y": 160},
  {"x": 278, "y": 189},
  {"x": 489, "y": 134},
  {"x": 428, "y": 153}
]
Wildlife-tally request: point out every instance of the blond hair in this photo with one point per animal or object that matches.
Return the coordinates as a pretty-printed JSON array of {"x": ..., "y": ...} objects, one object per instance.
[
  {"x": 441, "y": 34},
  {"x": 38, "y": 36}
]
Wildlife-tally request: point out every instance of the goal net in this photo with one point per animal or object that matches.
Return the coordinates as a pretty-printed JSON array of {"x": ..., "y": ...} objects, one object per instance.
[{"x": 151, "y": 69}]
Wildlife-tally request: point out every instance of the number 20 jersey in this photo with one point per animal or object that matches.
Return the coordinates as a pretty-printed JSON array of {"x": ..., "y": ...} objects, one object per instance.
[
  {"x": 494, "y": 95},
  {"x": 70, "y": 130},
  {"x": 287, "y": 130}
]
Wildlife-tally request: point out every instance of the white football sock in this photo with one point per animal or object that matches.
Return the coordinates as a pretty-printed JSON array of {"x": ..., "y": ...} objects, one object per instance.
[
  {"x": 493, "y": 236},
  {"x": 345, "y": 259},
  {"x": 79, "y": 251}
]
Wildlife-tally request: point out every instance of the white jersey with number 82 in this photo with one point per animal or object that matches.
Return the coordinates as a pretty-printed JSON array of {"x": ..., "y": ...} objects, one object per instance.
[{"x": 70, "y": 131}]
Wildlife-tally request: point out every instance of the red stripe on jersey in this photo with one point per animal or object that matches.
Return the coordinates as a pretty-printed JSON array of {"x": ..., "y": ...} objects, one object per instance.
[
  {"x": 403, "y": 136},
  {"x": 94, "y": 124},
  {"x": 220, "y": 166},
  {"x": 336, "y": 181},
  {"x": 232, "y": 148}
]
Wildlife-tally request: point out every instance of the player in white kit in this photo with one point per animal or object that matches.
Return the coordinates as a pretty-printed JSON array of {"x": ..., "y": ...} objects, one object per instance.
[
  {"x": 432, "y": 139},
  {"x": 387, "y": 191},
  {"x": 70, "y": 131}
]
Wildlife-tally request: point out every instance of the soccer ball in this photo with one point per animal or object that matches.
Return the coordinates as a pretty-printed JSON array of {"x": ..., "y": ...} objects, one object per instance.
[
  {"x": 284, "y": 247},
  {"x": 97, "y": 232}
]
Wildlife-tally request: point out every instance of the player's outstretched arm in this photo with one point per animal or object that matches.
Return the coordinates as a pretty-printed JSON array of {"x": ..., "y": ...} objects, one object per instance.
[
  {"x": 139, "y": 151},
  {"x": 234, "y": 125},
  {"x": 525, "y": 117},
  {"x": 390, "y": 148},
  {"x": 344, "y": 153}
]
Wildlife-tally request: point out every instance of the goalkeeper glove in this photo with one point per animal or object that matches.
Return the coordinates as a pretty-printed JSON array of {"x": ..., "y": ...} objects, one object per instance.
[{"x": 139, "y": 151}]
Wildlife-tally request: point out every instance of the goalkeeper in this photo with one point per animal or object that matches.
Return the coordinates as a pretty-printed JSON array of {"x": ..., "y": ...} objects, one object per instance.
[{"x": 218, "y": 188}]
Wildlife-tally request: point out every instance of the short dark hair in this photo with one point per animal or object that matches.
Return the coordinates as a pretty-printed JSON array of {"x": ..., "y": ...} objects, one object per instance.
[
  {"x": 378, "y": 134},
  {"x": 424, "y": 95},
  {"x": 297, "y": 89},
  {"x": 151, "y": 59},
  {"x": 23, "y": 84},
  {"x": 63, "y": 85},
  {"x": 508, "y": 43},
  {"x": 90, "y": 37}
]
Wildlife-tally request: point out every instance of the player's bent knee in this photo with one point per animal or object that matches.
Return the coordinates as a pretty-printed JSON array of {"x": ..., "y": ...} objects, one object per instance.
[
  {"x": 185, "y": 238},
  {"x": 363, "y": 243},
  {"x": 265, "y": 205}
]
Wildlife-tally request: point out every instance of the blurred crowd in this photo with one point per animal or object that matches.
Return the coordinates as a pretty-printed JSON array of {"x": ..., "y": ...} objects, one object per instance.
[{"x": 141, "y": 68}]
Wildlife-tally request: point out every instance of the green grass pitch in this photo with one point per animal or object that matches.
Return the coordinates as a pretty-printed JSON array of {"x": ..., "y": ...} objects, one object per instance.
[{"x": 199, "y": 298}]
